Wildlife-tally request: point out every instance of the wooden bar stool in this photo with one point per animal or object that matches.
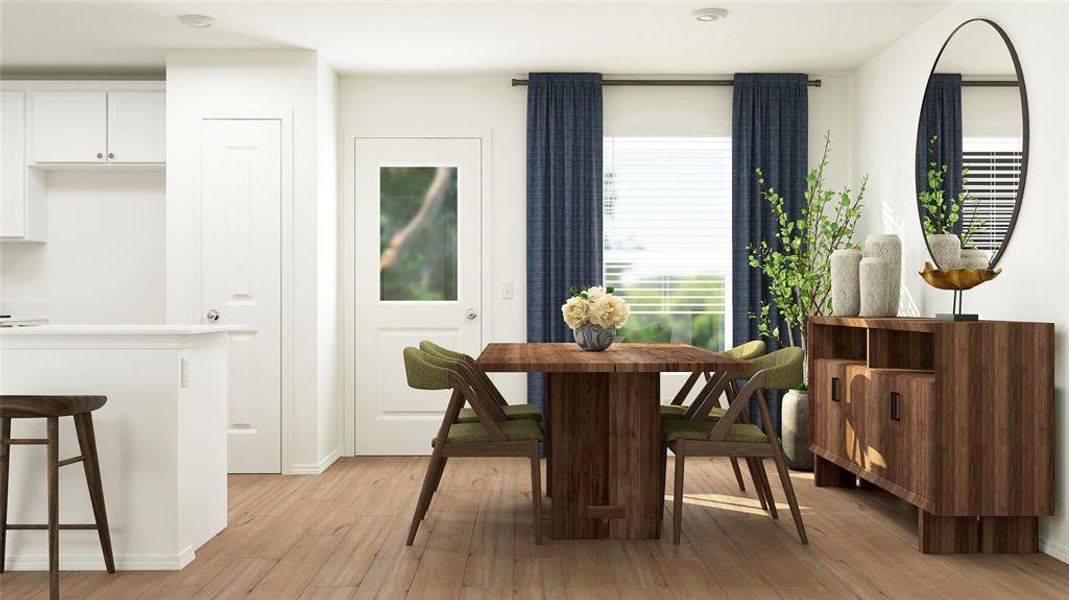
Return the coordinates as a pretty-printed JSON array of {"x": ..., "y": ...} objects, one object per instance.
[{"x": 52, "y": 408}]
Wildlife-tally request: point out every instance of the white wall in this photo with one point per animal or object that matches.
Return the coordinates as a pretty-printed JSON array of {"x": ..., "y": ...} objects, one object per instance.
[
  {"x": 474, "y": 104},
  {"x": 232, "y": 83},
  {"x": 887, "y": 96},
  {"x": 104, "y": 258}
]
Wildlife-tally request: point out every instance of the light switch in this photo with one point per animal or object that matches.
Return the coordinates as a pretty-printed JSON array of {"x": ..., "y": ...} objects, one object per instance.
[{"x": 506, "y": 290}]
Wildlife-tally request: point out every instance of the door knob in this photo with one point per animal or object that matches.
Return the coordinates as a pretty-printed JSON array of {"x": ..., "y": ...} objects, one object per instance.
[
  {"x": 111, "y": 155},
  {"x": 471, "y": 314},
  {"x": 213, "y": 315},
  {"x": 100, "y": 155}
]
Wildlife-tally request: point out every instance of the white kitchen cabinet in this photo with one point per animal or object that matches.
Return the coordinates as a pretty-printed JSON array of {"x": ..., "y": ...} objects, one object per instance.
[
  {"x": 136, "y": 126},
  {"x": 69, "y": 127},
  {"x": 22, "y": 214},
  {"x": 88, "y": 127}
]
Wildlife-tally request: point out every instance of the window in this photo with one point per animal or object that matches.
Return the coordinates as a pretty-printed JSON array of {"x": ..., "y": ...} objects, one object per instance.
[
  {"x": 667, "y": 235},
  {"x": 994, "y": 172}
]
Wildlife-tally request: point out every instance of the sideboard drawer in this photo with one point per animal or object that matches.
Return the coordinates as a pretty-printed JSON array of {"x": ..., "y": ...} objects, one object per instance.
[
  {"x": 834, "y": 419},
  {"x": 899, "y": 424}
]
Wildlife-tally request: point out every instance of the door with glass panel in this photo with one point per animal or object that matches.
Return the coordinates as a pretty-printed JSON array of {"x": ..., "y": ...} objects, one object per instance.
[{"x": 418, "y": 277}]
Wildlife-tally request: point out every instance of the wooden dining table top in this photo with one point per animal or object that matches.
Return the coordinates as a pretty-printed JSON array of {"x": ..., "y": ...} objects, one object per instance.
[{"x": 619, "y": 358}]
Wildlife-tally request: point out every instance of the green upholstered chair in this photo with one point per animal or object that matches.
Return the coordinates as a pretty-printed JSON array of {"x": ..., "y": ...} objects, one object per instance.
[
  {"x": 467, "y": 415},
  {"x": 700, "y": 436},
  {"x": 783, "y": 368},
  {"x": 492, "y": 434},
  {"x": 677, "y": 410}
]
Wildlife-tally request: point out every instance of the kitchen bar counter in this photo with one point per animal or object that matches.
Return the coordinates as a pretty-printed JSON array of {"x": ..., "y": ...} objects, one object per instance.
[{"x": 162, "y": 439}]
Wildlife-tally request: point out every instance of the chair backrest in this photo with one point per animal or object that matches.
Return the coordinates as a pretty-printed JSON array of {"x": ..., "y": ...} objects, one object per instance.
[
  {"x": 746, "y": 351},
  {"x": 427, "y": 371},
  {"x": 708, "y": 397},
  {"x": 741, "y": 402},
  {"x": 783, "y": 368},
  {"x": 469, "y": 362}
]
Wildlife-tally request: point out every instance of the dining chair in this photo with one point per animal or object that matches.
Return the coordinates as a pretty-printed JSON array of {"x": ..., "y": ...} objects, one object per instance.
[
  {"x": 491, "y": 435},
  {"x": 728, "y": 437},
  {"x": 467, "y": 415},
  {"x": 677, "y": 410}
]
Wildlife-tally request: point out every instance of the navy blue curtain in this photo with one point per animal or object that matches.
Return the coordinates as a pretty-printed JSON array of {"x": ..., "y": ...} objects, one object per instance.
[
  {"x": 564, "y": 221},
  {"x": 769, "y": 131},
  {"x": 939, "y": 137}
]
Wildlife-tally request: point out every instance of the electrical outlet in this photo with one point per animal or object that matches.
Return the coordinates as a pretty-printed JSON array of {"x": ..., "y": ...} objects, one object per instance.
[{"x": 506, "y": 290}]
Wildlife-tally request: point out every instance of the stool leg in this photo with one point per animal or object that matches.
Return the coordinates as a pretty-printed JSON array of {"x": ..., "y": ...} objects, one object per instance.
[
  {"x": 5, "y": 464},
  {"x": 53, "y": 507},
  {"x": 83, "y": 423}
]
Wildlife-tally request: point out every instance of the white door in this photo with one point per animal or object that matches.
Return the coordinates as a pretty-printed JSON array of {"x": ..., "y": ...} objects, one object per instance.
[
  {"x": 136, "y": 126},
  {"x": 70, "y": 127},
  {"x": 12, "y": 165},
  {"x": 418, "y": 277},
  {"x": 241, "y": 202}
]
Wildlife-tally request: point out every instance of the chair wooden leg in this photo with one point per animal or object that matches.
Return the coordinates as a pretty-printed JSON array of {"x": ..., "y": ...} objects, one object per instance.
[
  {"x": 769, "y": 499},
  {"x": 679, "y": 449},
  {"x": 430, "y": 483},
  {"x": 5, "y": 463},
  {"x": 664, "y": 477},
  {"x": 738, "y": 473},
  {"x": 788, "y": 490},
  {"x": 756, "y": 478},
  {"x": 536, "y": 494},
  {"x": 83, "y": 424},
  {"x": 53, "y": 507}
]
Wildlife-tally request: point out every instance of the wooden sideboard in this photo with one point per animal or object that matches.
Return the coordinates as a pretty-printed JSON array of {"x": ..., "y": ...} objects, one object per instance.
[{"x": 954, "y": 418}]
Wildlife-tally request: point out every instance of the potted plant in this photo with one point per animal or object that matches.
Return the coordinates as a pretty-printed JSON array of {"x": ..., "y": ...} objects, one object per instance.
[
  {"x": 594, "y": 314},
  {"x": 943, "y": 216},
  {"x": 795, "y": 263}
]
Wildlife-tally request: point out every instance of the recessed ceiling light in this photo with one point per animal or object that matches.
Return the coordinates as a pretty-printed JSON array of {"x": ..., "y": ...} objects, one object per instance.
[
  {"x": 708, "y": 15},
  {"x": 196, "y": 21}
]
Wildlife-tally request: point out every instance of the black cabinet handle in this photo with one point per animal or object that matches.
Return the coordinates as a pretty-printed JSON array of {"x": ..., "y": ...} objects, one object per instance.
[
  {"x": 895, "y": 408},
  {"x": 834, "y": 389}
]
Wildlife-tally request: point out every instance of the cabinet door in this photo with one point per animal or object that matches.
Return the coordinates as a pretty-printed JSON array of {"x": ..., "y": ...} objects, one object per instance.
[
  {"x": 12, "y": 164},
  {"x": 136, "y": 125},
  {"x": 898, "y": 424},
  {"x": 69, "y": 127},
  {"x": 856, "y": 399},
  {"x": 830, "y": 396}
]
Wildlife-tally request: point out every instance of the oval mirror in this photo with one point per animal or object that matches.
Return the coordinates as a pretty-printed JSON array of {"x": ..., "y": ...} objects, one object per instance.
[{"x": 972, "y": 148}]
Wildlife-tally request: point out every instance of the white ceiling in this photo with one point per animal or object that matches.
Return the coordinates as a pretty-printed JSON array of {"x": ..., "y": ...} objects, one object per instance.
[{"x": 652, "y": 37}]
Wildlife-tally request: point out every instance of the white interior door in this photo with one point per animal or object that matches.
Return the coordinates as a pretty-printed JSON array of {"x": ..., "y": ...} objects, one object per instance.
[
  {"x": 418, "y": 276},
  {"x": 241, "y": 200}
]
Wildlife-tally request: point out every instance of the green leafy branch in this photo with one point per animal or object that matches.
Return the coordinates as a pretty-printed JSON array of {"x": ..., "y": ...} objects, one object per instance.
[{"x": 795, "y": 262}]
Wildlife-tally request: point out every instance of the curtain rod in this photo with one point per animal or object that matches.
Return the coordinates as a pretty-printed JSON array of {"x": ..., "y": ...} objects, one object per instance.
[
  {"x": 989, "y": 83},
  {"x": 669, "y": 82}
]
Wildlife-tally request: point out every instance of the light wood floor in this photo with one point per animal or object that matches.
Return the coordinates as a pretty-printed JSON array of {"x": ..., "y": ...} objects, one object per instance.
[{"x": 341, "y": 535}]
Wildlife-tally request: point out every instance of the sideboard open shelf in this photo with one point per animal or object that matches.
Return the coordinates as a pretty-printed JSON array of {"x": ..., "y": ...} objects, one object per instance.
[{"x": 954, "y": 418}]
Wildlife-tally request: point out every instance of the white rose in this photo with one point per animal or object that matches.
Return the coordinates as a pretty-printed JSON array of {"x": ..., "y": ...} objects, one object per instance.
[
  {"x": 609, "y": 311},
  {"x": 576, "y": 312},
  {"x": 595, "y": 292}
]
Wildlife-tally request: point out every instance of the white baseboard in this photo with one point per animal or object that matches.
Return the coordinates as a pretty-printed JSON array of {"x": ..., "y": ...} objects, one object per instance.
[
  {"x": 1054, "y": 549},
  {"x": 95, "y": 562},
  {"x": 317, "y": 468}
]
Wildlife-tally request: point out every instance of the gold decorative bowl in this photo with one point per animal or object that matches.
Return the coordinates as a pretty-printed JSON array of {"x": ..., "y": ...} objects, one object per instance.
[{"x": 957, "y": 279}]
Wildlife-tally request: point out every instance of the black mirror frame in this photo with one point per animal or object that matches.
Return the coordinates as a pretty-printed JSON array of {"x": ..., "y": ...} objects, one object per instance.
[{"x": 1024, "y": 135}]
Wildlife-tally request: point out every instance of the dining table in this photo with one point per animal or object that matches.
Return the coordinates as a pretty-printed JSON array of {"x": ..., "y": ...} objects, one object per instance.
[{"x": 603, "y": 427}]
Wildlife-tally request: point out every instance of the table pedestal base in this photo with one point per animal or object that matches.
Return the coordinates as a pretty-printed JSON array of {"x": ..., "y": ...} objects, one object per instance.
[{"x": 605, "y": 434}]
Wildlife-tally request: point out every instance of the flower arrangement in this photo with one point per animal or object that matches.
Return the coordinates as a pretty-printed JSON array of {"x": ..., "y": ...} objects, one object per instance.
[{"x": 593, "y": 315}]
